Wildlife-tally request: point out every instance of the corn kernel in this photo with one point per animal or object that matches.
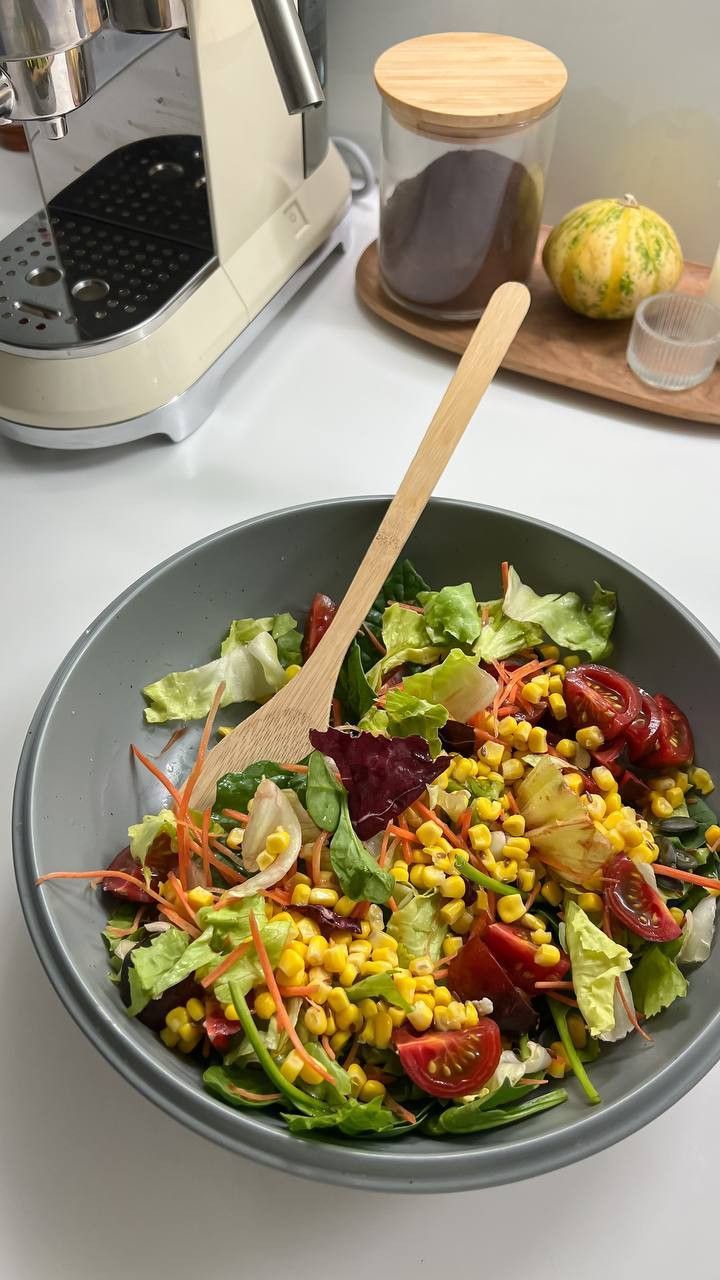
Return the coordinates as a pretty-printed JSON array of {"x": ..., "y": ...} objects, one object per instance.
[
  {"x": 264, "y": 860},
  {"x": 277, "y": 842},
  {"x": 317, "y": 949},
  {"x": 487, "y": 810},
  {"x": 372, "y": 1089},
  {"x": 682, "y": 780},
  {"x": 464, "y": 769},
  {"x": 360, "y": 949},
  {"x": 712, "y": 836},
  {"x": 335, "y": 958},
  {"x": 453, "y": 887},
  {"x": 677, "y": 914},
  {"x": 310, "y": 1075},
  {"x": 417, "y": 875},
  {"x": 631, "y": 833},
  {"x": 383, "y": 1029},
  {"x": 552, "y": 893},
  {"x": 299, "y": 947},
  {"x": 617, "y": 844},
  {"x": 338, "y": 1000},
  {"x": 510, "y": 908},
  {"x": 323, "y": 897},
  {"x": 532, "y": 692},
  {"x": 400, "y": 872},
  {"x": 506, "y": 869},
  {"x": 315, "y": 1020},
  {"x": 200, "y": 897},
  {"x": 550, "y": 652},
  {"x": 591, "y": 737},
  {"x": 578, "y": 1030},
  {"x": 558, "y": 705},
  {"x": 555, "y": 684},
  {"x": 347, "y": 976},
  {"x": 169, "y": 1038},
  {"x": 357, "y": 1078},
  {"x": 537, "y": 740},
  {"x": 538, "y": 936},
  {"x": 426, "y": 982},
  {"x": 452, "y": 911},
  {"x": 675, "y": 796},
  {"x": 507, "y": 728},
  {"x": 702, "y": 780},
  {"x": 566, "y": 748},
  {"x": 234, "y": 838},
  {"x": 517, "y": 847},
  {"x": 558, "y": 669},
  {"x": 660, "y": 807},
  {"x": 420, "y": 1016},
  {"x": 571, "y": 661},
  {"x": 526, "y": 877},
  {"x": 429, "y": 833},
  {"x": 604, "y": 778},
  {"x": 397, "y": 1016},
  {"x": 420, "y": 966},
  {"x": 375, "y": 966},
  {"x": 479, "y": 837},
  {"x": 521, "y": 735},
  {"x": 547, "y": 955},
  {"x": 471, "y": 1015},
  {"x": 176, "y": 1018},
  {"x": 195, "y": 1009},
  {"x": 464, "y": 924},
  {"x": 432, "y": 878},
  {"x": 575, "y": 782},
  {"x": 190, "y": 1038},
  {"x": 492, "y": 753},
  {"x": 442, "y": 997},
  {"x": 300, "y": 895},
  {"x": 339, "y": 1039},
  {"x": 349, "y": 1019},
  {"x": 513, "y": 770},
  {"x": 590, "y": 902},
  {"x": 450, "y": 947},
  {"x": 405, "y": 985}
]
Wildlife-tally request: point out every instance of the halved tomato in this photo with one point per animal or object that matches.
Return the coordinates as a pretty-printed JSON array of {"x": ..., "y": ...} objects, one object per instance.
[
  {"x": 636, "y": 903},
  {"x": 447, "y": 1064},
  {"x": 514, "y": 950},
  {"x": 641, "y": 735},
  {"x": 674, "y": 744},
  {"x": 598, "y": 695},
  {"x": 475, "y": 973},
  {"x": 220, "y": 1030},
  {"x": 322, "y": 612}
]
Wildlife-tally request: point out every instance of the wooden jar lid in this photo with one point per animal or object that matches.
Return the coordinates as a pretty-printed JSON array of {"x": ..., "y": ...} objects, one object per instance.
[{"x": 465, "y": 83}]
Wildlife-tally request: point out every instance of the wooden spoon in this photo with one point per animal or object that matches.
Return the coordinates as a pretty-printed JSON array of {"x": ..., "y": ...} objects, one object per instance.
[{"x": 280, "y": 729}]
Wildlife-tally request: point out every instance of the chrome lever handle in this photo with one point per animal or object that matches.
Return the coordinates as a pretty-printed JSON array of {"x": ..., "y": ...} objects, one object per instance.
[
  {"x": 7, "y": 98},
  {"x": 289, "y": 54}
]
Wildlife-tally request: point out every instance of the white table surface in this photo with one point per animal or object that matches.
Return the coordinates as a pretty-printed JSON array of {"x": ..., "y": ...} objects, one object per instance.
[{"x": 94, "y": 1181}]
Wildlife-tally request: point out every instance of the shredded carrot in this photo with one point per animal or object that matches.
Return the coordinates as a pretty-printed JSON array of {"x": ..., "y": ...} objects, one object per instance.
[
  {"x": 491, "y": 903},
  {"x": 281, "y": 1013},
  {"x": 157, "y": 773},
  {"x": 180, "y": 894},
  {"x": 205, "y": 845},
  {"x": 573, "y": 1004},
  {"x": 174, "y": 737},
  {"x": 227, "y": 873},
  {"x": 483, "y": 735},
  {"x": 249, "y": 1096},
  {"x": 407, "y": 851},
  {"x": 464, "y": 823},
  {"x": 226, "y": 964},
  {"x": 360, "y": 910},
  {"x": 325, "y": 1042},
  {"x": 125, "y": 933},
  {"x": 532, "y": 895},
  {"x": 351, "y": 1054},
  {"x": 431, "y": 816},
  {"x": 554, "y": 986},
  {"x": 126, "y": 876},
  {"x": 315, "y": 865},
  {"x": 392, "y": 904},
  {"x": 236, "y": 815},
  {"x": 440, "y": 973},
  {"x": 485, "y": 615},
  {"x": 505, "y": 575},
  {"x": 219, "y": 847},
  {"x": 674, "y": 872},
  {"x": 385, "y": 846},
  {"x": 398, "y": 1109},
  {"x": 631, "y": 1012},
  {"x": 403, "y": 833},
  {"x": 294, "y": 768},
  {"x": 377, "y": 644},
  {"x": 529, "y": 669},
  {"x": 508, "y": 709},
  {"x": 303, "y": 993},
  {"x": 512, "y": 802}
]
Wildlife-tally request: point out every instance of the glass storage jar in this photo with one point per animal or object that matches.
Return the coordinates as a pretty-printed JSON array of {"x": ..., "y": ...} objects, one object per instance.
[{"x": 468, "y": 122}]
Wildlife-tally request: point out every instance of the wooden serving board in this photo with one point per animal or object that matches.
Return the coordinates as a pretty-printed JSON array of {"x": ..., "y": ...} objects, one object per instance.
[{"x": 557, "y": 345}]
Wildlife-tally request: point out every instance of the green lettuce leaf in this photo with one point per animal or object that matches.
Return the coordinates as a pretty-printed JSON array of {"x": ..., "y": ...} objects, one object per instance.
[
  {"x": 324, "y": 793},
  {"x": 501, "y": 636},
  {"x": 656, "y": 981},
  {"x": 148, "y": 965},
  {"x": 236, "y": 790},
  {"x": 406, "y": 639},
  {"x": 229, "y": 926},
  {"x": 402, "y": 586},
  {"x": 378, "y": 986},
  {"x": 252, "y": 673},
  {"x": 353, "y": 689},
  {"x": 351, "y": 1118},
  {"x": 458, "y": 683},
  {"x": 566, "y": 619},
  {"x": 596, "y": 962},
  {"x": 375, "y": 721},
  {"x": 194, "y": 957},
  {"x": 359, "y": 874},
  {"x": 451, "y": 615},
  {"x": 282, "y": 627},
  {"x": 417, "y": 928},
  {"x": 142, "y": 834},
  {"x": 408, "y": 716}
]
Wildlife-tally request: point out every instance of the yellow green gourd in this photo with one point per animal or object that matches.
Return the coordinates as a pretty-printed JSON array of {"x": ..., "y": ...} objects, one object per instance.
[{"x": 607, "y": 255}]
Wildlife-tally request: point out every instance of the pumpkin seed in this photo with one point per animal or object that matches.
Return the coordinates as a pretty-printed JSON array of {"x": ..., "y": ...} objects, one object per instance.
[{"x": 678, "y": 826}]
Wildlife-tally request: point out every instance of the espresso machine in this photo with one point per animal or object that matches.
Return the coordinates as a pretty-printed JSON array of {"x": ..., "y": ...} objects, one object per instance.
[{"x": 184, "y": 188}]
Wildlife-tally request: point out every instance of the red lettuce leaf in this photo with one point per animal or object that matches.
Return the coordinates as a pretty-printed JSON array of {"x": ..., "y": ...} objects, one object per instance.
[{"x": 382, "y": 776}]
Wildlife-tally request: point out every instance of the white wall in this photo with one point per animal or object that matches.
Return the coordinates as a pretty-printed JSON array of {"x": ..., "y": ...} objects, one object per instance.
[{"x": 642, "y": 108}]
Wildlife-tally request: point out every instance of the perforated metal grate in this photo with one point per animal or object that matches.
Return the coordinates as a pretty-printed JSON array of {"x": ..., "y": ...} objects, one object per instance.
[{"x": 120, "y": 244}]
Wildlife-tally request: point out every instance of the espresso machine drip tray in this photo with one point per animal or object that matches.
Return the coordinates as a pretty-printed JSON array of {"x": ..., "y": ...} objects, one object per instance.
[{"x": 113, "y": 251}]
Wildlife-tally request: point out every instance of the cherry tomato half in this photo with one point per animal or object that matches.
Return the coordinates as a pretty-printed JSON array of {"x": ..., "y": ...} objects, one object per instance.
[
  {"x": 674, "y": 743},
  {"x": 475, "y": 973},
  {"x": 322, "y": 612},
  {"x": 641, "y": 735},
  {"x": 513, "y": 949},
  {"x": 220, "y": 1030},
  {"x": 598, "y": 695},
  {"x": 636, "y": 903},
  {"x": 447, "y": 1064}
]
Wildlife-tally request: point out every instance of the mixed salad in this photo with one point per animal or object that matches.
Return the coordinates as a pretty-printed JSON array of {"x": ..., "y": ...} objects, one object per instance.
[{"x": 498, "y": 860}]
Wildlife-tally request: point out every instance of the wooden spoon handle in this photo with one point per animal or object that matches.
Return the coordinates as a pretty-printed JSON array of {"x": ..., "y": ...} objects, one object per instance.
[{"x": 500, "y": 322}]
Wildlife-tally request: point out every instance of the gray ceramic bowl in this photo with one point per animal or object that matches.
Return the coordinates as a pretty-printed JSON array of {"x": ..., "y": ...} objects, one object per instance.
[{"x": 77, "y": 791}]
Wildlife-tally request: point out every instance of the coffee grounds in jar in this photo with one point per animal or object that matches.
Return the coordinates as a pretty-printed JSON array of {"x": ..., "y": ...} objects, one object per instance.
[{"x": 452, "y": 233}]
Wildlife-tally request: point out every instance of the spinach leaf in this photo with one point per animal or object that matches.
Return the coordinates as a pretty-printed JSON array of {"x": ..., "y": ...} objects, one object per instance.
[
  {"x": 701, "y": 813},
  {"x": 223, "y": 1083},
  {"x": 324, "y": 793},
  {"x": 236, "y": 790},
  {"x": 359, "y": 874},
  {"x": 378, "y": 985},
  {"x": 476, "y": 1117},
  {"x": 355, "y": 693},
  {"x": 351, "y": 1118}
]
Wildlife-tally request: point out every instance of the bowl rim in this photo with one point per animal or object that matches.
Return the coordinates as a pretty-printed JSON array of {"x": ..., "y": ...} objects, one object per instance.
[{"x": 376, "y": 1168}]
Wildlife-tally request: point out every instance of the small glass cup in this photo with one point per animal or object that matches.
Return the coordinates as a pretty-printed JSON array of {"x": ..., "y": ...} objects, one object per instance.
[{"x": 674, "y": 341}]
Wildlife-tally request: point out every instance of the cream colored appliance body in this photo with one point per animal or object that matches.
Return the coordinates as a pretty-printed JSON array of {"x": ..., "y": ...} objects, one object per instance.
[{"x": 188, "y": 189}]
